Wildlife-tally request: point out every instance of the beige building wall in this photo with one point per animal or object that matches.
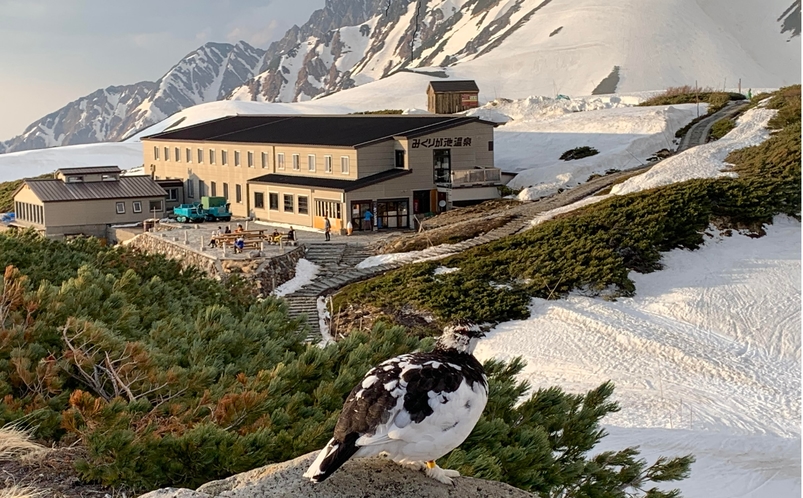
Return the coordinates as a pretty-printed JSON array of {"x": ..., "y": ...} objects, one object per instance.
[
  {"x": 311, "y": 218},
  {"x": 27, "y": 197},
  {"x": 475, "y": 155},
  {"x": 160, "y": 159},
  {"x": 98, "y": 212},
  {"x": 362, "y": 162}
]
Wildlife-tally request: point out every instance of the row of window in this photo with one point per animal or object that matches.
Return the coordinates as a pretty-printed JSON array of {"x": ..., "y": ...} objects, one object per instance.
[
  {"x": 312, "y": 163},
  {"x": 190, "y": 190},
  {"x": 34, "y": 213},
  {"x": 136, "y": 206},
  {"x": 211, "y": 157},
  {"x": 290, "y": 203}
]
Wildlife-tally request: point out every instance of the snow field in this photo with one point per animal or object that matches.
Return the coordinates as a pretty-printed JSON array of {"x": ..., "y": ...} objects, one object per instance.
[{"x": 306, "y": 272}]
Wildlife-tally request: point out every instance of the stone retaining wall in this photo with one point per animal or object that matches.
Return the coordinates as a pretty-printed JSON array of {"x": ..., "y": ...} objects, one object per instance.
[
  {"x": 278, "y": 270},
  {"x": 269, "y": 274},
  {"x": 186, "y": 256}
]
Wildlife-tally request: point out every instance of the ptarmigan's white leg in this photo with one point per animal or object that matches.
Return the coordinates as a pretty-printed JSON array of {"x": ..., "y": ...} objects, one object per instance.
[{"x": 439, "y": 474}]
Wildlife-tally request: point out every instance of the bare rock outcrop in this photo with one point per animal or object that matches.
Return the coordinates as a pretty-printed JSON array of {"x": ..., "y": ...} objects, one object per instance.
[{"x": 363, "y": 478}]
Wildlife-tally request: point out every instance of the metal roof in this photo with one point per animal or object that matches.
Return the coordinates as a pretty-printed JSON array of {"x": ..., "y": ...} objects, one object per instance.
[
  {"x": 318, "y": 182},
  {"x": 454, "y": 86},
  {"x": 126, "y": 187},
  {"x": 353, "y": 130},
  {"x": 90, "y": 170}
]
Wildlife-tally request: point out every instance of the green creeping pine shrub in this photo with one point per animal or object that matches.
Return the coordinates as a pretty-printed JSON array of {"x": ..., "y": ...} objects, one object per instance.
[
  {"x": 579, "y": 153},
  {"x": 721, "y": 128},
  {"x": 542, "y": 444},
  {"x": 595, "y": 248},
  {"x": 688, "y": 95}
]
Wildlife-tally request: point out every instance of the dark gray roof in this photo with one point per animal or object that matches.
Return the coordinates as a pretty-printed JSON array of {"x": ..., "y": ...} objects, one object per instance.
[
  {"x": 355, "y": 130},
  {"x": 89, "y": 170},
  {"x": 332, "y": 183},
  {"x": 454, "y": 86},
  {"x": 126, "y": 187}
]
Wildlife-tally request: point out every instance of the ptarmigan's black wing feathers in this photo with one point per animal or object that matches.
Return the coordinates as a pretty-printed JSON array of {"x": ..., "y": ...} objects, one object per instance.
[{"x": 371, "y": 402}]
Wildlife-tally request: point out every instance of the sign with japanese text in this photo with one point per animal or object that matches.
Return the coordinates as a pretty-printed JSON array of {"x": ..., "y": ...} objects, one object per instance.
[{"x": 441, "y": 142}]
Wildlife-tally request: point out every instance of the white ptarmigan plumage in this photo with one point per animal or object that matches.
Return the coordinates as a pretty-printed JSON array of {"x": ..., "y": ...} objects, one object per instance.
[{"x": 413, "y": 408}]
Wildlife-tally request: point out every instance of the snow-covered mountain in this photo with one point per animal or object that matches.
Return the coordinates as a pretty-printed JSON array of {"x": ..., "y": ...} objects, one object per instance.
[
  {"x": 517, "y": 48},
  {"x": 512, "y": 48},
  {"x": 207, "y": 74}
]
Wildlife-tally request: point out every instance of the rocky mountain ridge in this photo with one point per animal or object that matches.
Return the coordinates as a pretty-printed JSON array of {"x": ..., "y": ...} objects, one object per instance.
[{"x": 516, "y": 46}]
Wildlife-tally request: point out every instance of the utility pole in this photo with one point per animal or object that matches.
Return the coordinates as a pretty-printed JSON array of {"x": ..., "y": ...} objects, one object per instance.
[{"x": 697, "y": 95}]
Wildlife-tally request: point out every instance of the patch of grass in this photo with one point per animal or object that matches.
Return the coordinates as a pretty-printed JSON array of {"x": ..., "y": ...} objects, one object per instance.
[
  {"x": 16, "y": 443},
  {"x": 721, "y": 128},
  {"x": 16, "y": 491},
  {"x": 579, "y": 153},
  {"x": 689, "y": 95},
  {"x": 383, "y": 111}
]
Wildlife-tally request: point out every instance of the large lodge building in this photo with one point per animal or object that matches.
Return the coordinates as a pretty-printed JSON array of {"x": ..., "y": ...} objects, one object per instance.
[{"x": 297, "y": 169}]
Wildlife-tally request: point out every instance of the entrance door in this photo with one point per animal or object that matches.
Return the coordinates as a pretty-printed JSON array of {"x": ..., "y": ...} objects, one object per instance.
[
  {"x": 441, "y": 162},
  {"x": 358, "y": 209},
  {"x": 392, "y": 214},
  {"x": 421, "y": 201}
]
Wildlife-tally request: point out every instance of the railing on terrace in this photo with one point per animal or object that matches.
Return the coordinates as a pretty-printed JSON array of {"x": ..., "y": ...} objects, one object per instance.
[{"x": 476, "y": 176}]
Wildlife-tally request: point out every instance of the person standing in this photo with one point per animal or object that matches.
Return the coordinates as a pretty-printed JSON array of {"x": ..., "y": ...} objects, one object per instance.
[
  {"x": 327, "y": 227},
  {"x": 368, "y": 220}
]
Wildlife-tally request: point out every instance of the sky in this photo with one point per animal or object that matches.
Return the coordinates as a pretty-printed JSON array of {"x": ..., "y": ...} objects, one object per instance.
[{"x": 55, "y": 51}]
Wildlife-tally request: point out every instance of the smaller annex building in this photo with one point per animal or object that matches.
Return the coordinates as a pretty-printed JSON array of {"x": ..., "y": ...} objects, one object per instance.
[
  {"x": 299, "y": 169},
  {"x": 86, "y": 201},
  {"x": 450, "y": 96}
]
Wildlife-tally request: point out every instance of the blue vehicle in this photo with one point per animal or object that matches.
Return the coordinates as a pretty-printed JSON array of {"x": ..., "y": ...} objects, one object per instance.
[{"x": 209, "y": 209}]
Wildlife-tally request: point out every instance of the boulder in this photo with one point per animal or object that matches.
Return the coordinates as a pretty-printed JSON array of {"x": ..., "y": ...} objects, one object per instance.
[{"x": 363, "y": 478}]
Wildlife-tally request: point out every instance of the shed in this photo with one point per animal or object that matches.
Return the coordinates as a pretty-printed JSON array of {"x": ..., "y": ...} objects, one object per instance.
[{"x": 447, "y": 97}]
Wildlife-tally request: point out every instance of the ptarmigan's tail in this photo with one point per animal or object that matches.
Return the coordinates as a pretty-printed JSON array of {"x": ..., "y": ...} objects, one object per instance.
[{"x": 335, "y": 454}]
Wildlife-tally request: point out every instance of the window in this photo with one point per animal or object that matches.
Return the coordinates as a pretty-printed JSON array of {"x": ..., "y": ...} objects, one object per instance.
[
  {"x": 211, "y": 156},
  {"x": 280, "y": 161},
  {"x": 190, "y": 189},
  {"x": 156, "y": 153},
  {"x": 344, "y": 164},
  {"x": 330, "y": 209},
  {"x": 226, "y": 190},
  {"x": 490, "y": 146},
  {"x": 327, "y": 164},
  {"x": 154, "y": 206},
  {"x": 311, "y": 162},
  {"x": 188, "y": 154},
  {"x": 273, "y": 198},
  {"x": 201, "y": 188},
  {"x": 400, "y": 159},
  {"x": 442, "y": 166},
  {"x": 137, "y": 205},
  {"x": 177, "y": 154},
  {"x": 296, "y": 162},
  {"x": 303, "y": 207},
  {"x": 224, "y": 157},
  {"x": 167, "y": 154},
  {"x": 288, "y": 203},
  {"x": 108, "y": 178},
  {"x": 75, "y": 179},
  {"x": 200, "y": 156},
  {"x": 236, "y": 157},
  {"x": 264, "y": 159},
  {"x": 238, "y": 192},
  {"x": 172, "y": 194},
  {"x": 121, "y": 208},
  {"x": 214, "y": 189},
  {"x": 259, "y": 200},
  {"x": 250, "y": 159}
]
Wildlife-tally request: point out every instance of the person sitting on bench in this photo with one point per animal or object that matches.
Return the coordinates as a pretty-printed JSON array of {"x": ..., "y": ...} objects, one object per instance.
[
  {"x": 276, "y": 237},
  {"x": 239, "y": 245}
]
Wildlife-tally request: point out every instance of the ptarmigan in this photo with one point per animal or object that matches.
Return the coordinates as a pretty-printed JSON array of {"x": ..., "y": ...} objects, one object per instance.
[{"x": 413, "y": 408}]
